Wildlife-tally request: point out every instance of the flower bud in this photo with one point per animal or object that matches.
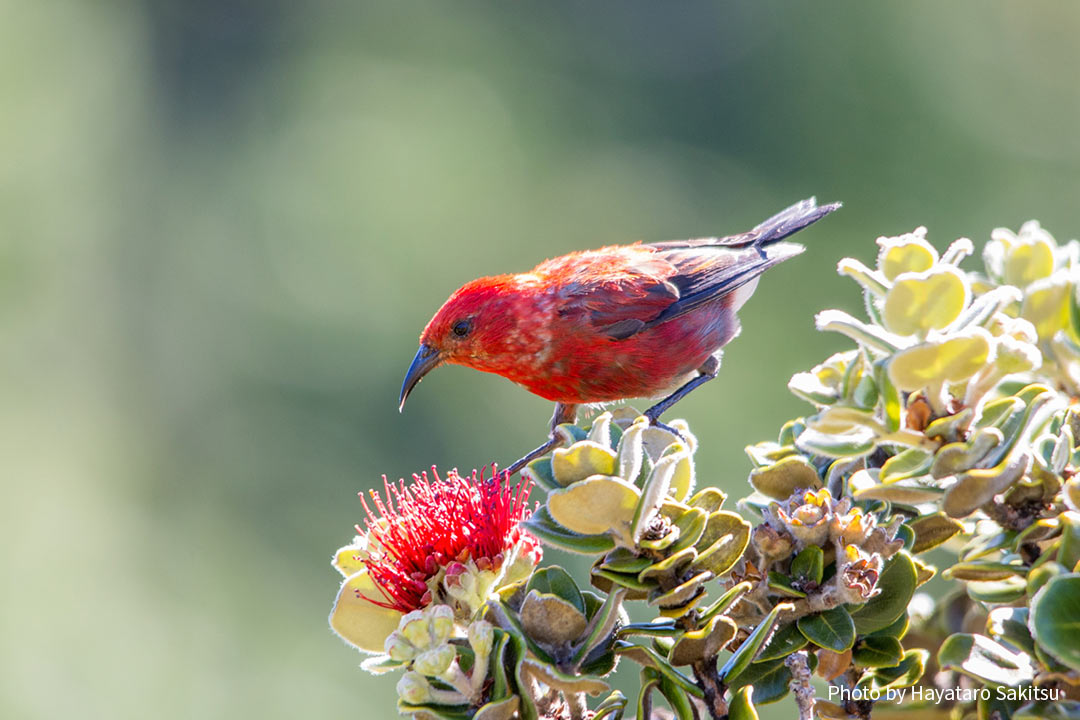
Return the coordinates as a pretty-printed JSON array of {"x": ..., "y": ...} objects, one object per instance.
[
  {"x": 398, "y": 647},
  {"x": 442, "y": 623},
  {"x": 481, "y": 637},
  {"x": 859, "y": 574},
  {"x": 413, "y": 688},
  {"x": 416, "y": 629},
  {"x": 808, "y": 522},
  {"x": 434, "y": 662},
  {"x": 772, "y": 544},
  {"x": 851, "y": 528}
]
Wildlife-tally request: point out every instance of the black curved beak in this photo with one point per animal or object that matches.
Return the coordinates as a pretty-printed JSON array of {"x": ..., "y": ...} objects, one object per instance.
[{"x": 427, "y": 359}]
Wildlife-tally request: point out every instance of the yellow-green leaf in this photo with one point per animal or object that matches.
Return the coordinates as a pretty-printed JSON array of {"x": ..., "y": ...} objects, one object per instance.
[
  {"x": 581, "y": 460},
  {"x": 596, "y": 505},
  {"x": 921, "y": 301},
  {"x": 357, "y": 620},
  {"x": 904, "y": 254},
  {"x": 952, "y": 360}
]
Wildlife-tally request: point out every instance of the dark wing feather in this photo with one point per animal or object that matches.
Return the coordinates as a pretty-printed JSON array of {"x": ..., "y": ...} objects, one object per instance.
[
  {"x": 708, "y": 269},
  {"x": 709, "y": 273},
  {"x": 620, "y": 291},
  {"x": 626, "y": 290}
]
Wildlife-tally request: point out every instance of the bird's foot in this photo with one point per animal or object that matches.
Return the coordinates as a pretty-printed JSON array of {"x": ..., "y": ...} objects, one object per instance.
[
  {"x": 655, "y": 422},
  {"x": 552, "y": 443}
]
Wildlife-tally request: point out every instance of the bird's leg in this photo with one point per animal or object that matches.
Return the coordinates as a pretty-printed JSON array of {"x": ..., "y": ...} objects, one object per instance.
[
  {"x": 564, "y": 413},
  {"x": 705, "y": 373}
]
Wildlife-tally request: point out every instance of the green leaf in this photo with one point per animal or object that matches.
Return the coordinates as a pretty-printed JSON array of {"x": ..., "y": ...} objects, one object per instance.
[
  {"x": 601, "y": 430},
  {"x": 564, "y": 682},
  {"x": 594, "y": 506},
  {"x": 1038, "y": 577},
  {"x": 1049, "y": 710},
  {"x": 726, "y": 600},
  {"x": 704, "y": 644},
  {"x": 809, "y": 564},
  {"x": 782, "y": 584},
  {"x": 770, "y": 680},
  {"x": 649, "y": 683},
  {"x": 625, "y": 580},
  {"x": 907, "y": 673},
  {"x": 878, "y": 651},
  {"x": 500, "y": 682},
  {"x": 786, "y": 640},
  {"x": 677, "y": 700},
  {"x": 984, "y": 570},
  {"x": 723, "y": 542},
  {"x": 1011, "y": 625},
  {"x": 853, "y": 444},
  {"x": 810, "y": 388},
  {"x": 631, "y": 452},
  {"x": 998, "y": 592},
  {"x": 653, "y": 661},
  {"x": 1069, "y": 550},
  {"x": 933, "y": 530},
  {"x": 504, "y": 709},
  {"x": 995, "y": 708},
  {"x": 985, "y": 659},
  {"x": 544, "y": 527},
  {"x": 550, "y": 620},
  {"x": 833, "y": 629},
  {"x": 779, "y": 480},
  {"x": 553, "y": 580},
  {"x": 539, "y": 471},
  {"x": 613, "y": 707},
  {"x": 678, "y": 597},
  {"x": 897, "y": 583},
  {"x": 890, "y": 396},
  {"x": 1055, "y": 619},
  {"x": 691, "y": 526},
  {"x": 623, "y": 560},
  {"x": 979, "y": 486},
  {"x": 844, "y": 323},
  {"x": 581, "y": 460},
  {"x": 742, "y": 705},
  {"x": 601, "y": 625},
  {"x": 950, "y": 427},
  {"x": 709, "y": 499},
  {"x": 742, "y": 657},
  {"x": 909, "y": 463},
  {"x": 897, "y": 629}
]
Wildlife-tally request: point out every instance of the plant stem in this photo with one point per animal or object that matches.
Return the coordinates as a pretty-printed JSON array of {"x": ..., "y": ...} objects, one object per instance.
[
  {"x": 800, "y": 684},
  {"x": 705, "y": 672}
]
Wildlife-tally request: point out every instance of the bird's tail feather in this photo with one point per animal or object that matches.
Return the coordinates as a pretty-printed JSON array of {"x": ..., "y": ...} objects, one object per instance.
[{"x": 789, "y": 221}]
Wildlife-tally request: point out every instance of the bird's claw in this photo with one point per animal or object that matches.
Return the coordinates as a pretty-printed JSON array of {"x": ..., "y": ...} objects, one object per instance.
[{"x": 655, "y": 422}]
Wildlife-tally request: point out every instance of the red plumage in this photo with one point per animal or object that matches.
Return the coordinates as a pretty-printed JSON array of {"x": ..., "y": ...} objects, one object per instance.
[{"x": 609, "y": 324}]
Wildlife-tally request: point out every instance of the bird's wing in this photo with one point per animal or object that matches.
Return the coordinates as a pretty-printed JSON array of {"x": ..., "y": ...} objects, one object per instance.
[
  {"x": 713, "y": 267},
  {"x": 616, "y": 290},
  {"x": 621, "y": 291},
  {"x": 706, "y": 273}
]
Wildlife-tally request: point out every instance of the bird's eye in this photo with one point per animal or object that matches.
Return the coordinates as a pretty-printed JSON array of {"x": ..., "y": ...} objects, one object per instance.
[{"x": 461, "y": 328}]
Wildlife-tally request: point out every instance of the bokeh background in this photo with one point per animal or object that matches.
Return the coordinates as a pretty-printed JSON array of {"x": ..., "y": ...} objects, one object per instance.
[{"x": 224, "y": 223}]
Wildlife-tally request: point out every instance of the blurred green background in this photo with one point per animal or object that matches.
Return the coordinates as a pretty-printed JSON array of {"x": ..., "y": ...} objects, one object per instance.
[{"x": 223, "y": 225}]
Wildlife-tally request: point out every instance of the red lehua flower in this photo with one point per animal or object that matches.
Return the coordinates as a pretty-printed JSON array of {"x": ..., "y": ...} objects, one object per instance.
[{"x": 428, "y": 525}]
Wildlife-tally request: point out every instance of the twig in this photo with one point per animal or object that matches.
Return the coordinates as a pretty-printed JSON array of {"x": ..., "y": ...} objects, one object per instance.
[{"x": 800, "y": 684}]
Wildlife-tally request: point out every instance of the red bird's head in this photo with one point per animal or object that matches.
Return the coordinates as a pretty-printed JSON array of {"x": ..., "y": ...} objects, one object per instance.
[{"x": 475, "y": 328}]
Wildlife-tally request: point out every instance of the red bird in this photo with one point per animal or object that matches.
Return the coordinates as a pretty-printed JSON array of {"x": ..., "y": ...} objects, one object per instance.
[{"x": 642, "y": 320}]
